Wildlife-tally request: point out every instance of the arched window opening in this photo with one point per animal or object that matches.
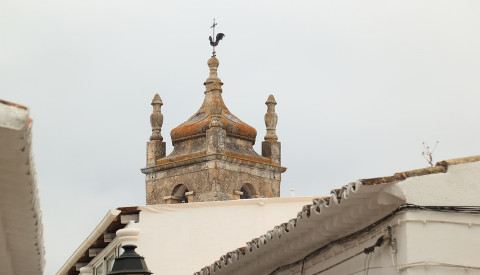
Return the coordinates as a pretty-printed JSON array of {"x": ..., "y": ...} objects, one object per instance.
[
  {"x": 178, "y": 194},
  {"x": 248, "y": 191}
]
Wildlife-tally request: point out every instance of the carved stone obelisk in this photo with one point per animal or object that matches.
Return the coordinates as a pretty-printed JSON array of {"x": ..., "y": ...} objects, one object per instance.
[
  {"x": 271, "y": 148},
  {"x": 216, "y": 135},
  {"x": 156, "y": 148}
]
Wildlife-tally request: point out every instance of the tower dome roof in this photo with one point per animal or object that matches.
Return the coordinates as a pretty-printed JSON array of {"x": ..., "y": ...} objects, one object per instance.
[{"x": 213, "y": 109}]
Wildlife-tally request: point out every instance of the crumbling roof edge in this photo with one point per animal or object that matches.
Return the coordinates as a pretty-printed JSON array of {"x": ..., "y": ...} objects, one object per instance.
[
  {"x": 13, "y": 104},
  {"x": 440, "y": 167},
  {"x": 456, "y": 161}
]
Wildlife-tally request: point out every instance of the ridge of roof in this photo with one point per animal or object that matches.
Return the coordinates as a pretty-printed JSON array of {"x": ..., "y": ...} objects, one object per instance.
[
  {"x": 440, "y": 167},
  {"x": 13, "y": 104}
]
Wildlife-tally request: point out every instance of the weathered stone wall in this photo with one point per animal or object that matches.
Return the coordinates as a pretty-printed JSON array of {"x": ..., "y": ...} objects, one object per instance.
[{"x": 213, "y": 180}]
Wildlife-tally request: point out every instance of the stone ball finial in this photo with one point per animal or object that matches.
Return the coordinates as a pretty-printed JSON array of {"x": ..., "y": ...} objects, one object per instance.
[
  {"x": 271, "y": 119},
  {"x": 213, "y": 83},
  {"x": 213, "y": 62},
  {"x": 156, "y": 118}
]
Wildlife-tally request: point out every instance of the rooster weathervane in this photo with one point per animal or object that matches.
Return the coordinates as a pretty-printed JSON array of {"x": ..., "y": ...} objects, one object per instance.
[{"x": 219, "y": 37}]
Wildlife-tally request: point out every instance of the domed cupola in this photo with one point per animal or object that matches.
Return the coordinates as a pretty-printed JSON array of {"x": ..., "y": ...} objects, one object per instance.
[{"x": 213, "y": 105}]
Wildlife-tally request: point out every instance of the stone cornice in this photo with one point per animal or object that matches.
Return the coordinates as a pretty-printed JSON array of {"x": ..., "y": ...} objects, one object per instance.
[{"x": 222, "y": 157}]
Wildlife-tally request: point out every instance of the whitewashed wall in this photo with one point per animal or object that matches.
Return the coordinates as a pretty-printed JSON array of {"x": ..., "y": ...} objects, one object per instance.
[
  {"x": 426, "y": 243},
  {"x": 180, "y": 239}
]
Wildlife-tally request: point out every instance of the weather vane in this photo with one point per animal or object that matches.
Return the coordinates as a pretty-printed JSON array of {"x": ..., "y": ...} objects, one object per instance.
[{"x": 219, "y": 37}]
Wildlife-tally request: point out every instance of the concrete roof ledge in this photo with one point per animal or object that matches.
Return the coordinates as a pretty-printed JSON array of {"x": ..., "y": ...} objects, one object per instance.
[
  {"x": 13, "y": 116},
  {"x": 25, "y": 253}
]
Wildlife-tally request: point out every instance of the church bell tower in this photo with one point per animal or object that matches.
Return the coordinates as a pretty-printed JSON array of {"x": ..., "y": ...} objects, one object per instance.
[{"x": 213, "y": 157}]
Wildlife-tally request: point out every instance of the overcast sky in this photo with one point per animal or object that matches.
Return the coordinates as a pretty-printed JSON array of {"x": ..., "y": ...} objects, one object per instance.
[{"x": 359, "y": 85}]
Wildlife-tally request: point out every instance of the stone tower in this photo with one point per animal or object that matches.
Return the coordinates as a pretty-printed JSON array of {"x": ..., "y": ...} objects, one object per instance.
[{"x": 213, "y": 157}]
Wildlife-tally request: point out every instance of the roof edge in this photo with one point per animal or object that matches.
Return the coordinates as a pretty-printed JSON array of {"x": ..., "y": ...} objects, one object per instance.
[
  {"x": 13, "y": 104},
  {"x": 254, "y": 201},
  {"x": 14, "y": 116},
  {"x": 440, "y": 167},
  {"x": 456, "y": 161},
  {"x": 101, "y": 227},
  {"x": 16, "y": 128}
]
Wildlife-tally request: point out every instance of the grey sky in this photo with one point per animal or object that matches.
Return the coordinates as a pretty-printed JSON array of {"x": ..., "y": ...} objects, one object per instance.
[{"x": 359, "y": 86}]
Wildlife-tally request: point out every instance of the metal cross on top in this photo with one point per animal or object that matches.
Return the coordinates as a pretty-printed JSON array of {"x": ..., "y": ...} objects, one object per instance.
[{"x": 219, "y": 37}]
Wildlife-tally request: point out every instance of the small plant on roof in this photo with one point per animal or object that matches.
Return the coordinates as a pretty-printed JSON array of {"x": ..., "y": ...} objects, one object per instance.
[{"x": 428, "y": 153}]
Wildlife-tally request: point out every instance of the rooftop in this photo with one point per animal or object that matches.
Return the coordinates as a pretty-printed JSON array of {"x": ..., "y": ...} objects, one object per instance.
[{"x": 354, "y": 207}]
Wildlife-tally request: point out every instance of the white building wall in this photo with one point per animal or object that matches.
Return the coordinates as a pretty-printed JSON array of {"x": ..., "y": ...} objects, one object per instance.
[
  {"x": 427, "y": 242},
  {"x": 179, "y": 239},
  {"x": 460, "y": 186},
  {"x": 442, "y": 243}
]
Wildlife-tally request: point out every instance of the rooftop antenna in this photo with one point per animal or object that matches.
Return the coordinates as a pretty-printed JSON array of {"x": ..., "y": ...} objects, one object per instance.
[{"x": 219, "y": 37}]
